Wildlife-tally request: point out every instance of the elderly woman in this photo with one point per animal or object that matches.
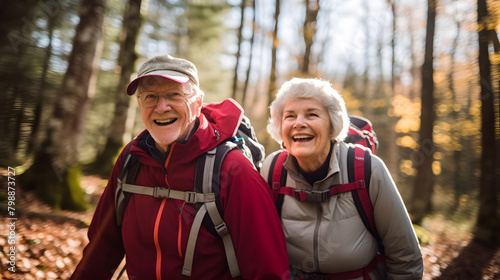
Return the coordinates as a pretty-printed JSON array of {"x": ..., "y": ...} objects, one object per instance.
[{"x": 326, "y": 237}]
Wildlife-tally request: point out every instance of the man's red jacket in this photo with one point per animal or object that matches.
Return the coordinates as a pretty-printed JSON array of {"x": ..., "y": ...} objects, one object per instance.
[{"x": 155, "y": 231}]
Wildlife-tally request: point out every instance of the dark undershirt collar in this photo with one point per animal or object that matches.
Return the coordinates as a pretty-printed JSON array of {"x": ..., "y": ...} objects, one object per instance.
[{"x": 321, "y": 172}]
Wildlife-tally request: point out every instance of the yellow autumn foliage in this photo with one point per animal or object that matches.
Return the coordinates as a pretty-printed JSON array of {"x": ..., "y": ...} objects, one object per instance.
[
  {"x": 406, "y": 142},
  {"x": 406, "y": 166},
  {"x": 436, "y": 167}
]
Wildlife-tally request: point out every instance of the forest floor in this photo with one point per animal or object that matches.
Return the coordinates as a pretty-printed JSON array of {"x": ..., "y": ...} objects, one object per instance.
[{"x": 49, "y": 244}]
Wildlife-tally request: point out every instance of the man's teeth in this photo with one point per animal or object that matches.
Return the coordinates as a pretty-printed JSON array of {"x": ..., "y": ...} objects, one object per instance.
[{"x": 164, "y": 121}]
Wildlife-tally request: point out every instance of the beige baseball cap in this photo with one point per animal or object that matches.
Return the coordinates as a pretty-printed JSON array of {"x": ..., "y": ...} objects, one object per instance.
[{"x": 166, "y": 66}]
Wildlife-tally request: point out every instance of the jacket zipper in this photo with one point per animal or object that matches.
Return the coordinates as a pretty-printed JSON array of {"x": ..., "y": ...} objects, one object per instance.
[
  {"x": 157, "y": 243},
  {"x": 158, "y": 218},
  {"x": 316, "y": 236},
  {"x": 179, "y": 233},
  {"x": 319, "y": 215}
]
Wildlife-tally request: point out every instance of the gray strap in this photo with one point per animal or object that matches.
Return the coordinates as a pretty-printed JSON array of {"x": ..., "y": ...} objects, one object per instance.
[
  {"x": 159, "y": 192},
  {"x": 223, "y": 232},
  {"x": 208, "y": 171},
  {"x": 138, "y": 189},
  {"x": 126, "y": 160},
  {"x": 193, "y": 235},
  {"x": 219, "y": 224}
]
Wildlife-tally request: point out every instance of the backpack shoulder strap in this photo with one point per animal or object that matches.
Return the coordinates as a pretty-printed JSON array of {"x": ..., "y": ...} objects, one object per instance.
[
  {"x": 207, "y": 181},
  {"x": 359, "y": 169},
  {"x": 128, "y": 172},
  {"x": 277, "y": 179}
]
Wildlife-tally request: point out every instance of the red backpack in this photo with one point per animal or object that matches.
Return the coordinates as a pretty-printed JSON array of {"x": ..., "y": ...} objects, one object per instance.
[
  {"x": 361, "y": 132},
  {"x": 359, "y": 173}
]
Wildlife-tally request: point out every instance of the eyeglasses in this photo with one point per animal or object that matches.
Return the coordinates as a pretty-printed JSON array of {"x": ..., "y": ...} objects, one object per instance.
[{"x": 150, "y": 99}]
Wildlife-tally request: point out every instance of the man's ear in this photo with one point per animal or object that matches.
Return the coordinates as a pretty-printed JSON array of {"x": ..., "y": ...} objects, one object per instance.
[{"x": 199, "y": 104}]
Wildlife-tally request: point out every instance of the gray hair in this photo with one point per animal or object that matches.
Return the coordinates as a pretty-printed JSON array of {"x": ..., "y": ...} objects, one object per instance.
[
  {"x": 194, "y": 88},
  {"x": 317, "y": 89}
]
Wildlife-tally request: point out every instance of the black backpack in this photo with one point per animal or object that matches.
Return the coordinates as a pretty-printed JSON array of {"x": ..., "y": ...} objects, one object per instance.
[{"x": 206, "y": 194}]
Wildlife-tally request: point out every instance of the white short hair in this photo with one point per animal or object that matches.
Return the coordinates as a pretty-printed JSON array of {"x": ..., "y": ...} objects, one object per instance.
[{"x": 315, "y": 89}]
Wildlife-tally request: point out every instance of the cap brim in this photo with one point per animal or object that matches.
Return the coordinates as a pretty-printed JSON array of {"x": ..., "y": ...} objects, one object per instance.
[{"x": 172, "y": 75}]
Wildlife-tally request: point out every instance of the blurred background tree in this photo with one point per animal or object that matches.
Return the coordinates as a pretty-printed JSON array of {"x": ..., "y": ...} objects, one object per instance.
[
  {"x": 424, "y": 181},
  {"x": 373, "y": 52},
  {"x": 131, "y": 24},
  {"x": 55, "y": 172}
]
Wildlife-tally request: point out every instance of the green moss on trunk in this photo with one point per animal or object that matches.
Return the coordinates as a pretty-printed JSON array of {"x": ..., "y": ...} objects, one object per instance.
[
  {"x": 73, "y": 196},
  {"x": 58, "y": 187}
]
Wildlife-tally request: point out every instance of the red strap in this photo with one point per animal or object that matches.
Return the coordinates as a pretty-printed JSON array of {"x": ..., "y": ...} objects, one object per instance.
[
  {"x": 347, "y": 187},
  {"x": 278, "y": 167},
  {"x": 304, "y": 195},
  {"x": 367, "y": 206},
  {"x": 359, "y": 164},
  {"x": 287, "y": 190},
  {"x": 359, "y": 174},
  {"x": 300, "y": 195}
]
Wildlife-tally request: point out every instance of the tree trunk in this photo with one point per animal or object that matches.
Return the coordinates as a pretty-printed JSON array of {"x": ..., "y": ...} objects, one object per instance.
[
  {"x": 424, "y": 181},
  {"x": 266, "y": 139},
  {"x": 18, "y": 117},
  {"x": 247, "y": 78},
  {"x": 392, "y": 4},
  {"x": 312, "y": 10},
  {"x": 455, "y": 120},
  {"x": 15, "y": 92},
  {"x": 393, "y": 153},
  {"x": 272, "y": 78},
  {"x": 131, "y": 25},
  {"x": 366, "y": 77},
  {"x": 33, "y": 141},
  {"x": 415, "y": 74},
  {"x": 55, "y": 172},
  {"x": 238, "y": 52},
  {"x": 16, "y": 30},
  {"x": 488, "y": 224}
]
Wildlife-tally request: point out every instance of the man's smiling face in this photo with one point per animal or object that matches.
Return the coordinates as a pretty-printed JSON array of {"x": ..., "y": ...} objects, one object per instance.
[{"x": 166, "y": 122}]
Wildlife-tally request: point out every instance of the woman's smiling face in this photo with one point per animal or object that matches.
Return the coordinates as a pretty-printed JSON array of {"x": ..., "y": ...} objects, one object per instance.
[{"x": 306, "y": 132}]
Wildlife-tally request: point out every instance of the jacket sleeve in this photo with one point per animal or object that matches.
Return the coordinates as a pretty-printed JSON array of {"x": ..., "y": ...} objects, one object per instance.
[
  {"x": 253, "y": 221},
  {"x": 402, "y": 250},
  {"x": 104, "y": 252}
]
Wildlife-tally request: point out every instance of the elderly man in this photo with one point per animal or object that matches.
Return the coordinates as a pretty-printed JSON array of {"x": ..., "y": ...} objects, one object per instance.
[{"x": 154, "y": 231}]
